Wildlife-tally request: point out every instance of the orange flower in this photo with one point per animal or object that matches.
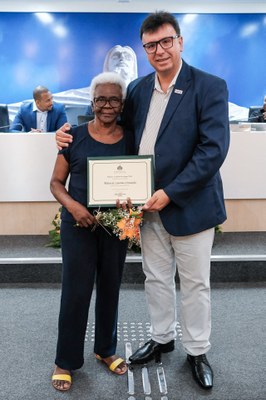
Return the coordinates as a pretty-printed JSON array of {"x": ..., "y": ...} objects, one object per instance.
[
  {"x": 123, "y": 223},
  {"x": 129, "y": 227}
]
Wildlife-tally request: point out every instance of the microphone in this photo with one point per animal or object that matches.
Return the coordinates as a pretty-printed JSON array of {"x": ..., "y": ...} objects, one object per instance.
[
  {"x": 256, "y": 117},
  {"x": 8, "y": 126}
]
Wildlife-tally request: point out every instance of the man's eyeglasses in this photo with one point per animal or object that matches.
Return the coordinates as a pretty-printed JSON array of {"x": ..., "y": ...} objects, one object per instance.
[
  {"x": 102, "y": 101},
  {"x": 165, "y": 43}
]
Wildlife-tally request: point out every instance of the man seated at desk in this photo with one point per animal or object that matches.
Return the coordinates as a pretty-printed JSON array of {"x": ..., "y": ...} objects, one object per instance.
[
  {"x": 40, "y": 115},
  {"x": 260, "y": 114}
]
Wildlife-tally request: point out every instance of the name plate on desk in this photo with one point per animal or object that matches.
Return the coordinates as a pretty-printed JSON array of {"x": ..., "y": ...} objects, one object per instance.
[{"x": 112, "y": 178}]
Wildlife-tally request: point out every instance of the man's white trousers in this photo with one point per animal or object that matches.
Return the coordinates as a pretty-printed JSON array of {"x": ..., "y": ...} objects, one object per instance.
[{"x": 162, "y": 253}]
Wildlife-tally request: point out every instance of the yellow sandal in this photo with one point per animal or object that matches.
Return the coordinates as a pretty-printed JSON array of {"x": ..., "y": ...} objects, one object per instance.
[
  {"x": 62, "y": 378},
  {"x": 113, "y": 366}
]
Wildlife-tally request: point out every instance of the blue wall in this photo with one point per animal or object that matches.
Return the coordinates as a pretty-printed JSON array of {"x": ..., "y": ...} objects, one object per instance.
[{"x": 65, "y": 50}]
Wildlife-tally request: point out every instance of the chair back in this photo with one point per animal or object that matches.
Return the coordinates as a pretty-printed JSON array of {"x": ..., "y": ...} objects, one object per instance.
[
  {"x": 83, "y": 119},
  {"x": 73, "y": 111},
  {"x": 252, "y": 109},
  {"x": 4, "y": 118}
]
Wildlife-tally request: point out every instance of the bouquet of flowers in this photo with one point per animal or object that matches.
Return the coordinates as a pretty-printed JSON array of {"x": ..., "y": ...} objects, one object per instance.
[{"x": 123, "y": 223}]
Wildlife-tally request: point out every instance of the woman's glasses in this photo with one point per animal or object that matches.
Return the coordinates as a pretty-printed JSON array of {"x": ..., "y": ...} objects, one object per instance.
[{"x": 102, "y": 101}]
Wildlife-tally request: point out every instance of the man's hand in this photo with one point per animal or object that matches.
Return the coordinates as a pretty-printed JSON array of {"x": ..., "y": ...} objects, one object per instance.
[
  {"x": 157, "y": 202},
  {"x": 62, "y": 137},
  {"x": 125, "y": 205},
  {"x": 35, "y": 130}
]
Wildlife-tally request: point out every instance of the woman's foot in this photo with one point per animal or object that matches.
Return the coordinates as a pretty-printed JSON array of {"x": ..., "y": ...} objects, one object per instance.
[
  {"x": 61, "y": 379},
  {"x": 114, "y": 363}
]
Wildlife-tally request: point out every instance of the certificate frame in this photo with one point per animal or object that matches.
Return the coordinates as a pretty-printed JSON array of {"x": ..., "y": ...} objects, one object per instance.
[{"x": 112, "y": 178}]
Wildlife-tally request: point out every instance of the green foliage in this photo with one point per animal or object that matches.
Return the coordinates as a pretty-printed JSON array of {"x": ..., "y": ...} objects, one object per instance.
[
  {"x": 54, "y": 238},
  {"x": 218, "y": 229},
  {"x": 54, "y": 234}
]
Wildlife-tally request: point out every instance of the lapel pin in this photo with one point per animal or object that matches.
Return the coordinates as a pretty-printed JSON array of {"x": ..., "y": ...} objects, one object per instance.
[{"x": 178, "y": 91}]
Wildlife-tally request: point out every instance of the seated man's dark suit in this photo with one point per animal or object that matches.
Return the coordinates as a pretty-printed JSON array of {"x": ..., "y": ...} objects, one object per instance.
[{"x": 26, "y": 118}]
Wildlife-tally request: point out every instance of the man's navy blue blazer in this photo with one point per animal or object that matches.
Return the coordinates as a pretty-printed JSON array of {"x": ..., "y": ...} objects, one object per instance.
[
  {"x": 191, "y": 146},
  {"x": 25, "y": 118}
]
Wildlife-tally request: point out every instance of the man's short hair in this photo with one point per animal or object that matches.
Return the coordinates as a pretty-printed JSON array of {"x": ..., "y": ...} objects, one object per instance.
[
  {"x": 38, "y": 91},
  {"x": 155, "y": 20}
]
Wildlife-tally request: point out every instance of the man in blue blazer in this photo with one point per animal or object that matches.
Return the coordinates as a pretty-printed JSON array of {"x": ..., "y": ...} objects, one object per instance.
[
  {"x": 40, "y": 115},
  {"x": 179, "y": 114}
]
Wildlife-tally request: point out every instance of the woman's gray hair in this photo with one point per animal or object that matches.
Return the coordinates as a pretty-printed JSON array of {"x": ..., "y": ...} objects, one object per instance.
[{"x": 108, "y": 77}]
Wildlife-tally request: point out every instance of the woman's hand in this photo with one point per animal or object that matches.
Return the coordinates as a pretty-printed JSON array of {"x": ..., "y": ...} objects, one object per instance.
[{"x": 82, "y": 216}]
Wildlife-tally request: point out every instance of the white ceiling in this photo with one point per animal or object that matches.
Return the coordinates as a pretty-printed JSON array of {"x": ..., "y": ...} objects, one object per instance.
[{"x": 177, "y": 6}]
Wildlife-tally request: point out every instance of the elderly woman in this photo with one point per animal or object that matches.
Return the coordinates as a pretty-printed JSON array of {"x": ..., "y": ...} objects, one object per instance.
[{"x": 89, "y": 255}]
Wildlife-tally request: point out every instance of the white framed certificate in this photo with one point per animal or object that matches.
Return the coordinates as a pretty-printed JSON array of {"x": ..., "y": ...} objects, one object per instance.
[{"x": 112, "y": 178}]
